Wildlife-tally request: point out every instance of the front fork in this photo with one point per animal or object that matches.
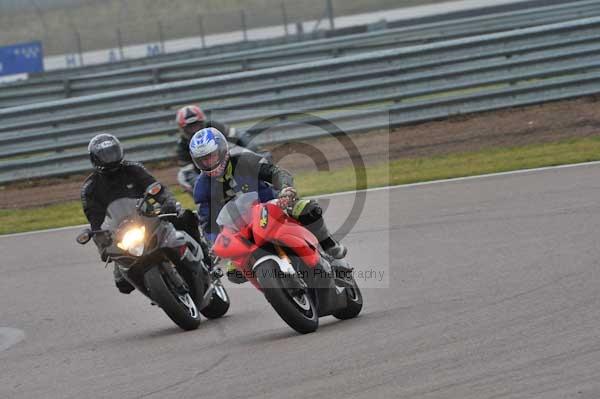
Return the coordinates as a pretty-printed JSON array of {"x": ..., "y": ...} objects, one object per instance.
[
  {"x": 191, "y": 256},
  {"x": 296, "y": 286}
]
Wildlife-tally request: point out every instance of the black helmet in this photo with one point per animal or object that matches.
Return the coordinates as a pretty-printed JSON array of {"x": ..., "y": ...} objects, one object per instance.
[{"x": 106, "y": 153}]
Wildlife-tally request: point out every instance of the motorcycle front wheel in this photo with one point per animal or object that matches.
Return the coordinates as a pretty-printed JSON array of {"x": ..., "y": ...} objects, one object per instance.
[
  {"x": 181, "y": 309},
  {"x": 297, "y": 309},
  {"x": 219, "y": 304}
]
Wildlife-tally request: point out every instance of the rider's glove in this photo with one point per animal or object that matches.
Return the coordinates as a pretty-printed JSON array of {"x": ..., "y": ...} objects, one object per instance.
[
  {"x": 186, "y": 177},
  {"x": 287, "y": 198},
  {"x": 170, "y": 206}
]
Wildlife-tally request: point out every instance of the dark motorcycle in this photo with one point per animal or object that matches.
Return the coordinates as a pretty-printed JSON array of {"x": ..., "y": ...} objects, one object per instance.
[{"x": 163, "y": 263}]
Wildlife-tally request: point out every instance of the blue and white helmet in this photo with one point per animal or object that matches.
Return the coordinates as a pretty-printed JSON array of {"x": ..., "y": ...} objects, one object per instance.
[{"x": 209, "y": 151}]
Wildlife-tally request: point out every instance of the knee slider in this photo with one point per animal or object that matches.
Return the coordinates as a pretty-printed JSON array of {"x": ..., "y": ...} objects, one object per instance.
[
  {"x": 314, "y": 209},
  {"x": 311, "y": 213}
]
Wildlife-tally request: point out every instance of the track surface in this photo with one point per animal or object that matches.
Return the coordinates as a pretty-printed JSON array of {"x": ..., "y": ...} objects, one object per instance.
[{"x": 492, "y": 293}]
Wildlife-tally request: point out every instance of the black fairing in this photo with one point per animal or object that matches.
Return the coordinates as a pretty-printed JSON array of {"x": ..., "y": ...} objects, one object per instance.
[
  {"x": 323, "y": 288},
  {"x": 162, "y": 246}
]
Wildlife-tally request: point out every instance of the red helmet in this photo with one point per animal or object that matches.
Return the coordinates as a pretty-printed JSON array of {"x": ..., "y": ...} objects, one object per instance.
[{"x": 190, "y": 119}]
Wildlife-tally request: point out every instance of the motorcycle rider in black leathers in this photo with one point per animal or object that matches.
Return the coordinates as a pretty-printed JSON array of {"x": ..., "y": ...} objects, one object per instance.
[
  {"x": 191, "y": 119},
  {"x": 115, "y": 178}
]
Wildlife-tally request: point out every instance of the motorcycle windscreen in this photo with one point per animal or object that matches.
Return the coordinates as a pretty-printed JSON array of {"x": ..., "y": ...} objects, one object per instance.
[
  {"x": 117, "y": 211},
  {"x": 236, "y": 214}
]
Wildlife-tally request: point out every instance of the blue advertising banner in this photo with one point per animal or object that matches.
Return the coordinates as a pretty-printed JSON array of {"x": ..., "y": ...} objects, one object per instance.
[{"x": 21, "y": 58}]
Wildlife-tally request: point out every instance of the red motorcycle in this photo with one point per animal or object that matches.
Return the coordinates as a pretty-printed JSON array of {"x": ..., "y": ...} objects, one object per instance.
[{"x": 282, "y": 259}]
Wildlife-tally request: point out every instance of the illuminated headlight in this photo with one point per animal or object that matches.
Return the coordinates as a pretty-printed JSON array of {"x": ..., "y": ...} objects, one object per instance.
[{"x": 133, "y": 241}]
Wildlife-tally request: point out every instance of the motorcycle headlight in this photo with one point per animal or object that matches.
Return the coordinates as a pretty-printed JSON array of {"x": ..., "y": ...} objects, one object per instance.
[{"x": 133, "y": 241}]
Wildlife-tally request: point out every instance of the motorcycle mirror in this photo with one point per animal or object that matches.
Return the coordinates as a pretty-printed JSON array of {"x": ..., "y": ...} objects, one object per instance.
[
  {"x": 153, "y": 189},
  {"x": 84, "y": 237}
]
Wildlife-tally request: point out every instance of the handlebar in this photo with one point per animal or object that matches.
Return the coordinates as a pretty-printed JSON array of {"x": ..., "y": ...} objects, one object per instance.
[{"x": 167, "y": 215}]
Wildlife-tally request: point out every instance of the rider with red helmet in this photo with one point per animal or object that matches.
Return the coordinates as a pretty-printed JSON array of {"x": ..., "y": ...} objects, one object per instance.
[{"x": 191, "y": 119}]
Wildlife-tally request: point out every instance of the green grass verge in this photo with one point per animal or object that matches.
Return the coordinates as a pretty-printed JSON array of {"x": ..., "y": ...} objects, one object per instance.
[{"x": 396, "y": 172}]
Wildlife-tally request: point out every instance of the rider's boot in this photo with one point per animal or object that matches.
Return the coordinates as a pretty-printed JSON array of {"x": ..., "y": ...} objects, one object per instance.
[
  {"x": 188, "y": 222},
  {"x": 209, "y": 261},
  {"x": 336, "y": 250},
  {"x": 234, "y": 275},
  {"x": 310, "y": 214}
]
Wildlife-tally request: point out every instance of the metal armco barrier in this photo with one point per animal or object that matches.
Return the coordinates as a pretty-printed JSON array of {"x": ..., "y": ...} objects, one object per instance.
[{"x": 356, "y": 93}]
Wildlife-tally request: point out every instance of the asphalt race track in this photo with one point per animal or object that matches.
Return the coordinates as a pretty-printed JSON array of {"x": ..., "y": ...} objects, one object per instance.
[{"x": 491, "y": 289}]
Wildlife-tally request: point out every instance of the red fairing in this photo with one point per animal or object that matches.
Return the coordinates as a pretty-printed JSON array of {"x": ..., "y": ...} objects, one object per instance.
[
  {"x": 232, "y": 245},
  {"x": 271, "y": 224}
]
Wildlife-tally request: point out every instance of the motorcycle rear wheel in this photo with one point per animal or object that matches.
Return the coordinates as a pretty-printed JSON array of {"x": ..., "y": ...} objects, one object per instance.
[
  {"x": 175, "y": 308},
  {"x": 298, "y": 311}
]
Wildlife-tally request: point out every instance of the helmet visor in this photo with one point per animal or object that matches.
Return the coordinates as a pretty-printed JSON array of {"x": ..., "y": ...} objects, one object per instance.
[
  {"x": 209, "y": 162},
  {"x": 108, "y": 153}
]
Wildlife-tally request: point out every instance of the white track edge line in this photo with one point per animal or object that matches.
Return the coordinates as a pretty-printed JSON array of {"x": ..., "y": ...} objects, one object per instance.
[
  {"x": 399, "y": 186},
  {"x": 460, "y": 179}
]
